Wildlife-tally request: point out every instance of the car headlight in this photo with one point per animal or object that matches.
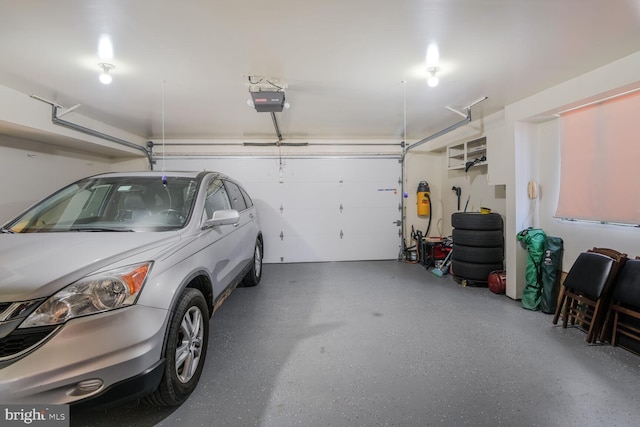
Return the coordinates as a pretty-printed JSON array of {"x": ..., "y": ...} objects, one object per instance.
[{"x": 92, "y": 294}]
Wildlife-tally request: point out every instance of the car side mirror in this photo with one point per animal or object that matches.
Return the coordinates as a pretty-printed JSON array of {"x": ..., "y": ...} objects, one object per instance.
[{"x": 223, "y": 217}]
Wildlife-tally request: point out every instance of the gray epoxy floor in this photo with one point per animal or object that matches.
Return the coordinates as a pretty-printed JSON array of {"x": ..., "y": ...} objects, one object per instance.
[{"x": 390, "y": 344}]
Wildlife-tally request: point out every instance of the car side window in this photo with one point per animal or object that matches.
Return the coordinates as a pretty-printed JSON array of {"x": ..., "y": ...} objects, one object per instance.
[
  {"x": 237, "y": 200},
  {"x": 216, "y": 199},
  {"x": 247, "y": 199}
]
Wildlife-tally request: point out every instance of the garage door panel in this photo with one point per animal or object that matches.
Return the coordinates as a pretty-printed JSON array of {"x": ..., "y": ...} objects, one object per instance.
[
  {"x": 365, "y": 220},
  {"x": 301, "y": 247},
  {"x": 312, "y": 220},
  {"x": 338, "y": 169},
  {"x": 251, "y": 170},
  {"x": 276, "y": 249},
  {"x": 266, "y": 210},
  {"x": 312, "y": 248},
  {"x": 370, "y": 170},
  {"x": 357, "y": 246},
  {"x": 369, "y": 194},
  {"x": 307, "y": 170},
  {"x": 277, "y": 239},
  {"x": 316, "y": 195},
  {"x": 318, "y": 209}
]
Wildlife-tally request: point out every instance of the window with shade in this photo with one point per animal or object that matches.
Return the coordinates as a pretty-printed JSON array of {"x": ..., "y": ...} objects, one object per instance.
[{"x": 600, "y": 162}]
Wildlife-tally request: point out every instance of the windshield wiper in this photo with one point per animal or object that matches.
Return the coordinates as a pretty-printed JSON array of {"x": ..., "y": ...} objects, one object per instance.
[
  {"x": 100, "y": 229},
  {"x": 7, "y": 231}
]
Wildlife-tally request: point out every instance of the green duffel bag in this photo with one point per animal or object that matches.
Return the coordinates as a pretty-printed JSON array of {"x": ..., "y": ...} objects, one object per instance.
[{"x": 534, "y": 239}]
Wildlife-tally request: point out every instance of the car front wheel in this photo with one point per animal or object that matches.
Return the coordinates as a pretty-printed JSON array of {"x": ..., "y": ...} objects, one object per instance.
[{"x": 185, "y": 351}]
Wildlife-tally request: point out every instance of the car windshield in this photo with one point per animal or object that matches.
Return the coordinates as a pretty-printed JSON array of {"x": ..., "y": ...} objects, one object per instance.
[{"x": 111, "y": 204}]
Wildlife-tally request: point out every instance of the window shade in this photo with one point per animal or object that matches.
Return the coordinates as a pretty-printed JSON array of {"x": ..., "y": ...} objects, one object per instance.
[{"x": 600, "y": 162}]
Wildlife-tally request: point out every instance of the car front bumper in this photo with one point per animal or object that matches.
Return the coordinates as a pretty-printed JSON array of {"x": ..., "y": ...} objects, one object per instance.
[{"x": 86, "y": 357}]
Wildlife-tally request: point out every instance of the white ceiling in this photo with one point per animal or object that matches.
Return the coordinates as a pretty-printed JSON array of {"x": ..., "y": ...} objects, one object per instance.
[{"x": 343, "y": 61}]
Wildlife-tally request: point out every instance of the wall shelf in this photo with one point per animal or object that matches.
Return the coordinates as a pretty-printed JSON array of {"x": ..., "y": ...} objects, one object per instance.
[{"x": 459, "y": 154}]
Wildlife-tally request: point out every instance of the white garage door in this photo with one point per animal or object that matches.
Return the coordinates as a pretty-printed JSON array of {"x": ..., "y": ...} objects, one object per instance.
[{"x": 319, "y": 208}]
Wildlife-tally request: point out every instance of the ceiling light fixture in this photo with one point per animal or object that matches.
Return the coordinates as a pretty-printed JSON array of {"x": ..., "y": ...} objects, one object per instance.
[
  {"x": 105, "y": 77},
  {"x": 433, "y": 79}
]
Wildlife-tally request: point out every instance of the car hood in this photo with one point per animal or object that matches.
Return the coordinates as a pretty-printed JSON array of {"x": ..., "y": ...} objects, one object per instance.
[{"x": 36, "y": 265}]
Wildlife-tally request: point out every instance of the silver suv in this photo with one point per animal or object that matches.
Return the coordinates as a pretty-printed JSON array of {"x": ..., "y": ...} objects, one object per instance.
[{"x": 107, "y": 286}]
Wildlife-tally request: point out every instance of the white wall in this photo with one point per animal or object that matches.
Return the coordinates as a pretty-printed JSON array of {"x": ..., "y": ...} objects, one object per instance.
[
  {"x": 475, "y": 188},
  {"x": 30, "y": 170},
  {"x": 423, "y": 166}
]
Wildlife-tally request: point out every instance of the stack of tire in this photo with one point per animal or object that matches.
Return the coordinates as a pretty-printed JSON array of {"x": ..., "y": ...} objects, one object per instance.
[{"x": 478, "y": 246}]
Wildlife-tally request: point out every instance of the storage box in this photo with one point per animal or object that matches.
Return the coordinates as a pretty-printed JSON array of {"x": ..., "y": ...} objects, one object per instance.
[{"x": 431, "y": 249}]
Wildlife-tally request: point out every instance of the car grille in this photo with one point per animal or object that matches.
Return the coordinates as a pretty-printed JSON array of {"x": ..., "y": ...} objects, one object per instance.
[{"x": 22, "y": 339}]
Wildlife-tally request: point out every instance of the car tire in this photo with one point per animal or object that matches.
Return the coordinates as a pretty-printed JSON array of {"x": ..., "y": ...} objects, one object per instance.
[
  {"x": 476, "y": 221},
  {"x": 478, "y": 255},
  {"x": 255, "y": 274},
  {"x": 187, "y": 342},
  {"x": 475, "y": 272},
  {"x": 481, "y": 239}
]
